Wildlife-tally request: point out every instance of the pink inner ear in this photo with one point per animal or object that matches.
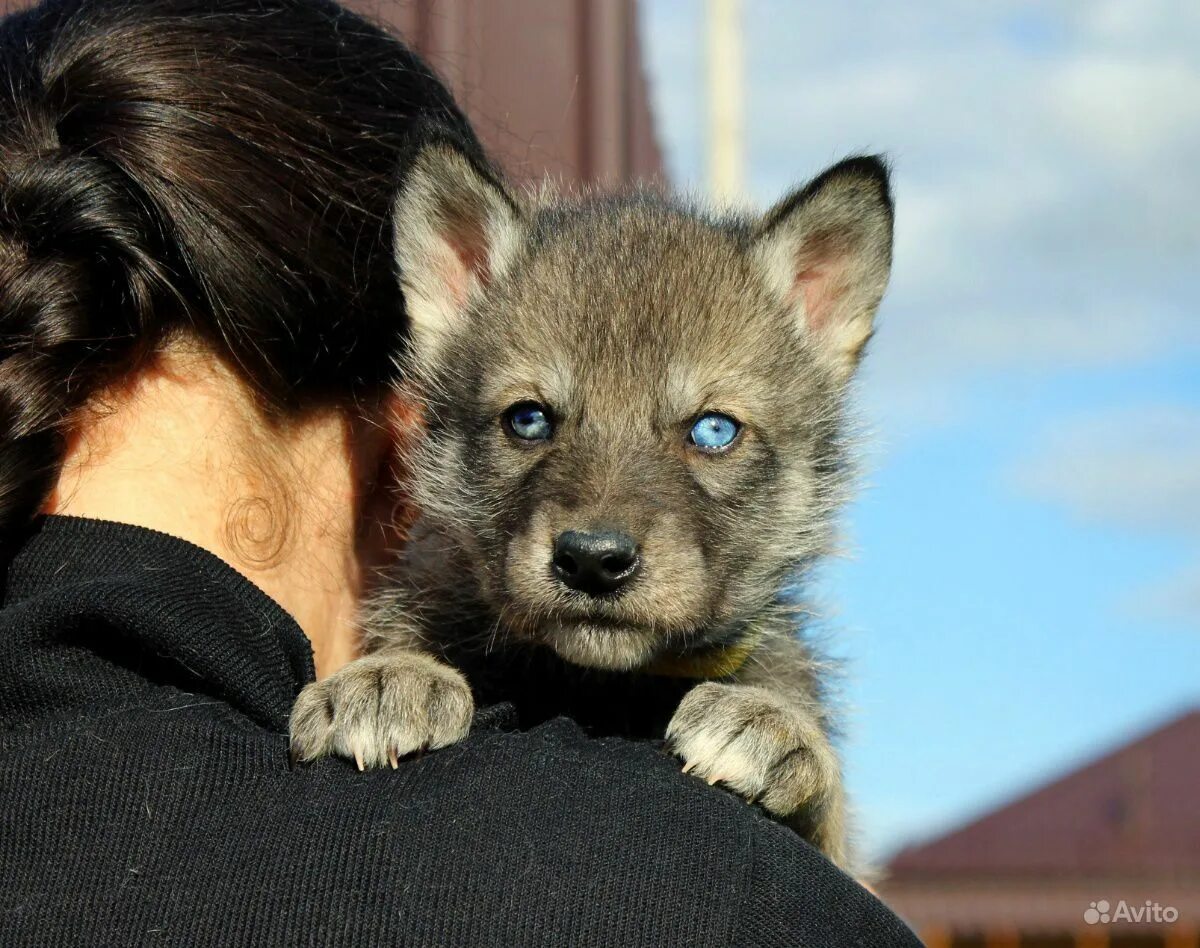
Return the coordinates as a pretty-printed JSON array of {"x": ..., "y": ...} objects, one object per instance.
[
  {"x": 462, "y": 260},
  {"x": 451, "y": 271},
  {"x": 819, "y": 288}
]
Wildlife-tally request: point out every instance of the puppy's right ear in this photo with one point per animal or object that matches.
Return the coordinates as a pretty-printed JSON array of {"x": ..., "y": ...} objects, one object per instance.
[
  {"x": 456, "y": 228},
  {"x": 827, "y": 249}
]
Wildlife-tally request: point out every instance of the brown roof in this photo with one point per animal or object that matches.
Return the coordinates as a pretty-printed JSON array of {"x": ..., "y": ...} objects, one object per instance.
[{"x": 1135, "y": 810}]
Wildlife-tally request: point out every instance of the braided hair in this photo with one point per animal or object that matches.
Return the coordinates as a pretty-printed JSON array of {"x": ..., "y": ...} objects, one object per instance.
[{"x": 220, "y": 168}]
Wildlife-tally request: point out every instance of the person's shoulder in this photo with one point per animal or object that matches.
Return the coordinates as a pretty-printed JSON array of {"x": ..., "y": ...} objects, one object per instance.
[
  {"x": 540, "y": 836},
  {"x": 747, "y": 878}
]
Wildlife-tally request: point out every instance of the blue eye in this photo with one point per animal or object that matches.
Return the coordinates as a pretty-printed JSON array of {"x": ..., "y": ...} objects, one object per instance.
[
  {"x": 714, "y": 432},
  {"x": 528, "y": 421}
]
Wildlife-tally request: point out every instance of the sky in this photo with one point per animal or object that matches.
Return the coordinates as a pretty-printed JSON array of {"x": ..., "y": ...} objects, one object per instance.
[{"x": 1021, "y": 584}]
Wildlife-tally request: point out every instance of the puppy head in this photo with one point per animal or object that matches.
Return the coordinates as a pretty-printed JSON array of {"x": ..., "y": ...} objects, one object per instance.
[{"x": 633, "y": 409}]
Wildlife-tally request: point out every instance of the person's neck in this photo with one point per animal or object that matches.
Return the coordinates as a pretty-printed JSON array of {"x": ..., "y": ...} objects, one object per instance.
[{"x": 182, "y": 449}]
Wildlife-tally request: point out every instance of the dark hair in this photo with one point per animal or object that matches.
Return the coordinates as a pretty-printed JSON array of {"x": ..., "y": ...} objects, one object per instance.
[{"x": 220, "y": 167}]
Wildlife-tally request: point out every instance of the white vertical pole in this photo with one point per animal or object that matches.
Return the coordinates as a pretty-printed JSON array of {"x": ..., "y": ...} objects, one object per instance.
[{"x": 725, "y": 101}]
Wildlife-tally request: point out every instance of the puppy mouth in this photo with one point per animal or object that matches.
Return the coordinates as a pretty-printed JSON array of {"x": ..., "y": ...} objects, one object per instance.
[
  {"x": 624, "y": 629},
  {"x": 601, "y": 620},
  {"x": 602, "y": 642},
  {"x": 604, "y": 638},
  {"x": 604, "y": 615}
]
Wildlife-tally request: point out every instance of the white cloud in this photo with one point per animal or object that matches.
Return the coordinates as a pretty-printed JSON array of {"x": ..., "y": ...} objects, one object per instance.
[
  {"x": 1047, "y": 166},
  {"x": 1135, "y": 467},
  {"x": 1135, "y": 23},
  {"x": 1127, "y": 108},
  {"x": 1173, "y": 599}
]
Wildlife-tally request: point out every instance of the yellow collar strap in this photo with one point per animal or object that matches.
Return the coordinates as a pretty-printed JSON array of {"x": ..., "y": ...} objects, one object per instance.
[{"x": 720, "y": 661}]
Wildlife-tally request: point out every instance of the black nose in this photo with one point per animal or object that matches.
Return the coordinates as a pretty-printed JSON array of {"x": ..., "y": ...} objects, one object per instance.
[{"x": 595, "y": 563}]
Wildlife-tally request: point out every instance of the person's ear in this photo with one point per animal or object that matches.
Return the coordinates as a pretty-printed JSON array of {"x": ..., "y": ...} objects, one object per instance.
[
  {"x": 827, "y": 250},
  {"x": 456, "y": 229}
]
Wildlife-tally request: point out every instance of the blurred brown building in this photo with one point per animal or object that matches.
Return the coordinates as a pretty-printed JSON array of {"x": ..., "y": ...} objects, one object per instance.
[
  {"x": 553, "y": 86},
  {"x": 1105, "y": 857}
]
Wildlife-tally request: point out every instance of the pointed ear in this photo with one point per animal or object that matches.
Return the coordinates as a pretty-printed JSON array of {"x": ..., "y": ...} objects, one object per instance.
[
  {"x": 827, "y": 250},
  {"x": 456, "y": 229}
]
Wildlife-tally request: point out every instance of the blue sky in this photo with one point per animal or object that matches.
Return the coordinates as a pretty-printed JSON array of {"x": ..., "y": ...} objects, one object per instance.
[{"x": 1022, "y": 581}]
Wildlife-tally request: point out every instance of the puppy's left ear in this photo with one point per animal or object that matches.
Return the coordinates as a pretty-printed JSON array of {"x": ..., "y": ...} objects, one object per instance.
[{"x": 827, "y": 250}]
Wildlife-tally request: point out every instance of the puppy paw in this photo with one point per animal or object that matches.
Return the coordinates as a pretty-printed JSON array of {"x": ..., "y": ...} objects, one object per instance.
[
  {"x": 765, "y": 749},
  {"x": 379, "y": 708}
]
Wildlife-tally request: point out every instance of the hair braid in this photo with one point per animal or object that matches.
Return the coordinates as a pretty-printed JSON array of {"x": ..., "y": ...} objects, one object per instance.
[
  {"x": 79, "y": 284},
  {"x": 216, "y": 168}
]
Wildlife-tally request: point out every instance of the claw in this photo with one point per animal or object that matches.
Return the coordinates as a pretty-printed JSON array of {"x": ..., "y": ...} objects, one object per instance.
[
  {"x": 293, "y": 756},
  {"x": 689, "y": 766},
  {"x": 715, "y": 779},
  {"x": 393, "y": 758},
  {"x": 358, "y": 758}
]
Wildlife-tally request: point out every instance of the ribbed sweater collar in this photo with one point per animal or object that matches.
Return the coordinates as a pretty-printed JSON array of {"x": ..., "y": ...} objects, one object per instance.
[{"x": 96, "y": 611}]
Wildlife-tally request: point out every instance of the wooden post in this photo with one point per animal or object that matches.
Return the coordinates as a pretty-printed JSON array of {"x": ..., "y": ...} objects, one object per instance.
[{"x": 725, "y": 101}]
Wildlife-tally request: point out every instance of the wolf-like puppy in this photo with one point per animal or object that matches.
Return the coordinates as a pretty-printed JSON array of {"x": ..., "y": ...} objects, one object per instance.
[{"x": 633, "y": 445}]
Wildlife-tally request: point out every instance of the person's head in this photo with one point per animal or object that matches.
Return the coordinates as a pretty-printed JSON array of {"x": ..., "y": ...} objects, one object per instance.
[
  {"x": 212, "y": 174},
  {"x": 199, "y": 317}
]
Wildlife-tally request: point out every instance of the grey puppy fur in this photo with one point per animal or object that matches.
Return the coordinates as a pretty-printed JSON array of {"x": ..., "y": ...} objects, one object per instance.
[{"x": 618, "y": 566}]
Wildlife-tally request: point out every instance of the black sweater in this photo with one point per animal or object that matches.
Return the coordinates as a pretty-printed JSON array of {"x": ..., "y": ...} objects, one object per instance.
[{"x": 146, "y": 798}]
